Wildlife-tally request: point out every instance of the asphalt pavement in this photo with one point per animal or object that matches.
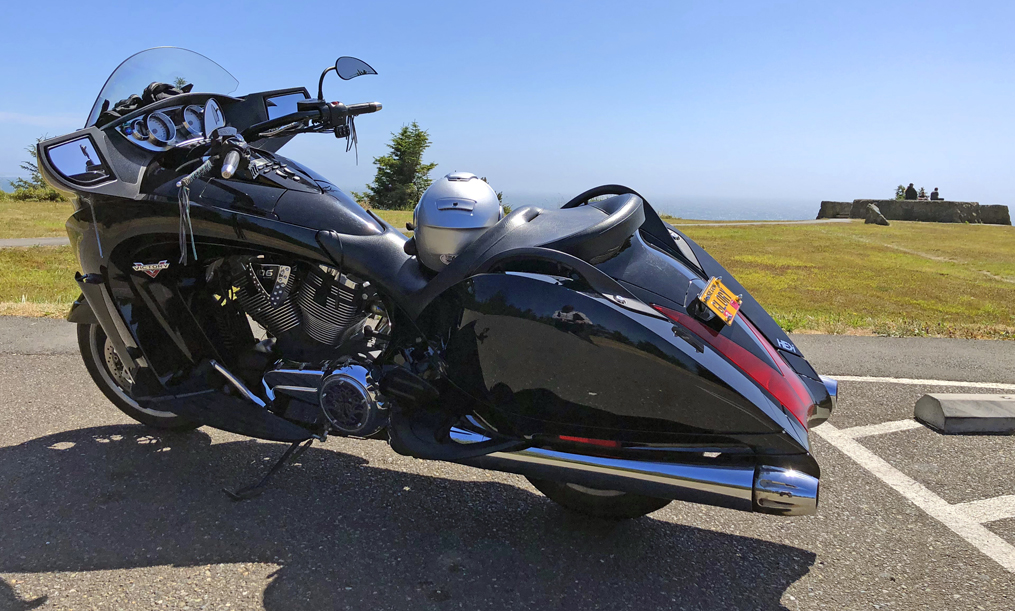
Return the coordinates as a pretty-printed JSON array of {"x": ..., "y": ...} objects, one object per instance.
[{"x": 97, "y": 512}]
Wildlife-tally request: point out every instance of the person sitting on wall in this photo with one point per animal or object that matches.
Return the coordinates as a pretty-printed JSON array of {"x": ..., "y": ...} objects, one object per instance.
[
  {"x": 934, "y": 195},
  {"x": 911, "y": 192}
]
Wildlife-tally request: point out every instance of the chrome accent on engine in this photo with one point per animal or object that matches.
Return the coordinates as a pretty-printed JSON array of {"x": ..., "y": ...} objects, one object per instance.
[
  {"x": 302, "y": 384},
  {"x": 351, "y": 402},
  {"x": 258, "y": 303},
  {"x": 328, "y": 302},
  {"x": 785, "y": 492},
  {"x": 764, "y": 489}
]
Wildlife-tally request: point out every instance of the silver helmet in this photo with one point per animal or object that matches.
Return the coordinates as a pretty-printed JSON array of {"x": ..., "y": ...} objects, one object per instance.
[{"x": 453, "y": 212}]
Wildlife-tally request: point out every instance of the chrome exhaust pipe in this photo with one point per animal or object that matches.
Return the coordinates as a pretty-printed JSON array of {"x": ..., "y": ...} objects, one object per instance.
[{"x": 766, "y": 489}]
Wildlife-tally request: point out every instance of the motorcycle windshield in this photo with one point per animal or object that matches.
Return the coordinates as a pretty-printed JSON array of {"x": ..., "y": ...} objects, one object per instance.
[{"x": 171, "y": 65}]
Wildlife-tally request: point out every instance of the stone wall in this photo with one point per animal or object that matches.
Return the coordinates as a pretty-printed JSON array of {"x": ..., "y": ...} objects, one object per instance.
[
  {"x": 995, "y": 214},
  {"x": 917, "y": 210},
  {"x": 835, "y": 210},
  {"x": 941, "y": 211}
]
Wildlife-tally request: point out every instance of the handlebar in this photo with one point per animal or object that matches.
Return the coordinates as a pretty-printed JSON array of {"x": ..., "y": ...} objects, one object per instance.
[{"x": 314, "y": 110}]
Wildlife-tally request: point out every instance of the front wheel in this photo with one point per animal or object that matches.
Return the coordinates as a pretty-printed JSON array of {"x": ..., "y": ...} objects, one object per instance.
[
  {"x": 111, "y": 377},
  {"x": 609, "y": 504}
]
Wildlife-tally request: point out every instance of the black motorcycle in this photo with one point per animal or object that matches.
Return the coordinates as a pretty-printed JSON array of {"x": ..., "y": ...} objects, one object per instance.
[{"x": 593, "y": 349}]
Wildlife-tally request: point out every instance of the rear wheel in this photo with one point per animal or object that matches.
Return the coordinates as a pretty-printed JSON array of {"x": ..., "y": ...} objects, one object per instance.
[
  {"x": 111, "y": 377},
  {"x": 609, "y": 504}
]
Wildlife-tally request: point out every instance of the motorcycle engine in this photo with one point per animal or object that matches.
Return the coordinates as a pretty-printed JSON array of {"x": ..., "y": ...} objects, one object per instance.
[
  {"x": 322, "y": 323},
  {"x": 314, "y": 310}
]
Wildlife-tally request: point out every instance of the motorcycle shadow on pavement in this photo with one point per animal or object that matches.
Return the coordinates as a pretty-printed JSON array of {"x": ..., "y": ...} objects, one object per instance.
[{"x": 347, "y": 533}]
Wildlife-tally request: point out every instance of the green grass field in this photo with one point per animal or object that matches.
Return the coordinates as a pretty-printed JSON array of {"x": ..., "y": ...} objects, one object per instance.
[
  {"x": 908, "y": 279},
  {"x": 33, "y": 219}
]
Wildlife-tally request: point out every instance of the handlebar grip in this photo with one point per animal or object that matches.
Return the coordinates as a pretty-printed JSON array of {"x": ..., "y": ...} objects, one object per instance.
[
  {"x": 229, "y": 165},
  {"x": 364, "y": 108}
]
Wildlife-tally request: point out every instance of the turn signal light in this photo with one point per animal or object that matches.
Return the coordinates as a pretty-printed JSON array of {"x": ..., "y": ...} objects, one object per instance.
[{"x": 783, "y": 383}]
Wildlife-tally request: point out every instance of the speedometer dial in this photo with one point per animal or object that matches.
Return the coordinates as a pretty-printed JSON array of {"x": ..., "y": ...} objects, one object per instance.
[
  {"x": 161, "y": 130},
  {"x": 192, "y": 121}
]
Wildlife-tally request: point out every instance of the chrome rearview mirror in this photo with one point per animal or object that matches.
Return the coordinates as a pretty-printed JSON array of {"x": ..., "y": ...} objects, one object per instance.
[{"x": 350, "y": 67}]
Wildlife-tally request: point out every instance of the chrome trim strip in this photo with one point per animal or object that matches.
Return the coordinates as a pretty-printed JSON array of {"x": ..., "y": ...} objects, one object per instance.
[
  {"x": 237, "y": 384},
  {"x": 309, "y": 372},
  {"x": 727, "y": 486},
  {"x": 300, "y": 392},
  {"x": 764, "y": 489}
]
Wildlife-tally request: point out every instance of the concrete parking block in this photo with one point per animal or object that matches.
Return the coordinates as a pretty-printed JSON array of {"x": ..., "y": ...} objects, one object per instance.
[{"x": 968, "y": 413}]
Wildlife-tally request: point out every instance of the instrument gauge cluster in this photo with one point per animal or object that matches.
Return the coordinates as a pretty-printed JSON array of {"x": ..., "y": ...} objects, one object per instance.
[
  {"x": 161, "y": 129},
  {"x": 193, "y": 121},
  {"x": 164, "y": 128}
]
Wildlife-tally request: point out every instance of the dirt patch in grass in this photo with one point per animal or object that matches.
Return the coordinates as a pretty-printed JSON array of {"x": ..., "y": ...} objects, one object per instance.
[{"x": 34, "y": 310}]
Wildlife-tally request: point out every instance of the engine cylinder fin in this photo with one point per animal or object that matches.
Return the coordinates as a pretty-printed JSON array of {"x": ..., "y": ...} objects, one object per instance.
[
  {"x": 256, "y": 302},
  {"x": 329, "y": 305}
]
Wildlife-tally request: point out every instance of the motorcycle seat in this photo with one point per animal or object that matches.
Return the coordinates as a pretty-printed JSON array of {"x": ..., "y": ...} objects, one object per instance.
[{"x": 593, "y": 232}]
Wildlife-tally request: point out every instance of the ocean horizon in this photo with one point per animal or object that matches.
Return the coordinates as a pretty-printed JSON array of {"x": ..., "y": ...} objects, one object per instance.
[
  {"x": 712, "y": 208},
  {"x": 703, "y": 208}
]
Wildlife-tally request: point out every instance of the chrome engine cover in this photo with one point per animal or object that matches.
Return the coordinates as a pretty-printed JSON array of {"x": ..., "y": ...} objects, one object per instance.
[{"x": 351, "y": 403}]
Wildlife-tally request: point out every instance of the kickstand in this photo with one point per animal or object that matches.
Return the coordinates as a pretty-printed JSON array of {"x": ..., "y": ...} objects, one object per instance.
[{"x": 249, "y": 492}]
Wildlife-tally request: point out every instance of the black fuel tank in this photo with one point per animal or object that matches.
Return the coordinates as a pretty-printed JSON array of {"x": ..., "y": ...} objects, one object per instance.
[{"x": 330, "y": 210}]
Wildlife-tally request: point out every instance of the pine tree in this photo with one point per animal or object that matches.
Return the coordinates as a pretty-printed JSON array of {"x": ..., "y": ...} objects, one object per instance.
[
  {"x": 35, "y": 187},
  {"x": 900, "y": 192},
  {"x": 401, "y": 175}
]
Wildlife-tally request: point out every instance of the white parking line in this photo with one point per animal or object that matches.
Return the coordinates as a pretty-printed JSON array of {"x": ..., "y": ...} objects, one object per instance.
[
  {"x": 965, "y": 524},
  {"x": 879, "y": 429},
  {"x": 916, "y": 382},
  {"x": 989, "y": 510}
]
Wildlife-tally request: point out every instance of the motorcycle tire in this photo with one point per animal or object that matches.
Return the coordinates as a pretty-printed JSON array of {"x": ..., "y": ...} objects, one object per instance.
[
  {"x": 108, "y": 373},
  {"x": 608, "y": 504}
]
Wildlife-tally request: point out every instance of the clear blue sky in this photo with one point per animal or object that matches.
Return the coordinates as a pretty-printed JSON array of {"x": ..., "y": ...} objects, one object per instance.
[{"x": 782, "y": 101}]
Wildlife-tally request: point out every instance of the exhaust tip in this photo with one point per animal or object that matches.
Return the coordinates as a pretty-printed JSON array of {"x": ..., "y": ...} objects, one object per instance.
[{"x": 785, "y": 492}]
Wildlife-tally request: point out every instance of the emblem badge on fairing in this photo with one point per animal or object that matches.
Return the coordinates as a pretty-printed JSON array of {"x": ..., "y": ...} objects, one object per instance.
[
  {"x": 152, "y": 269},
  {"x": 786, "y": 345}
]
